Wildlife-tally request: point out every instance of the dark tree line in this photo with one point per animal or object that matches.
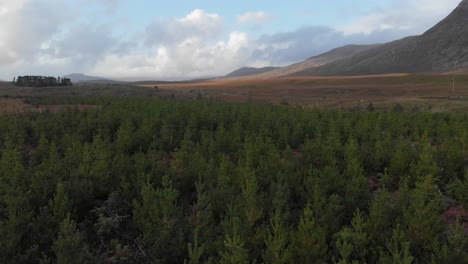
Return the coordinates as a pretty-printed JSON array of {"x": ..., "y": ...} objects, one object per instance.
[
  {"x": 41, "y": 81},
  {"x": 140, "y": 181}
]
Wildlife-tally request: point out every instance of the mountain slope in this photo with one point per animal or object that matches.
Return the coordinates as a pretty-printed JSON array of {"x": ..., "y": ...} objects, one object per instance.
[
  {"x": 246, "y": 71},
  {"x": 440, "y": 49},
  {"x": 79, "y": 77},
  {"x": 313, "y": 62}
]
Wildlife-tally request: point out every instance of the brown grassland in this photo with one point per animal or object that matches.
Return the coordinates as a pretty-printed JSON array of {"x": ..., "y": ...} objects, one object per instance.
[
  {"x": 424, "y": 91},
  {"x": 432, "y": 92}
]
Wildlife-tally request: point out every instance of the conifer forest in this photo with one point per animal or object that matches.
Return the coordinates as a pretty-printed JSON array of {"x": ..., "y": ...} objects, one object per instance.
[{"x": 138, "y": 180}]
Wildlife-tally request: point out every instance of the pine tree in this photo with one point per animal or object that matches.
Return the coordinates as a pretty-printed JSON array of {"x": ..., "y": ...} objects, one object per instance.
[
  {"x": 201, "y": 218},
  {"x": 252, "y": 208},
  {"x": 69, "y": 247},
  {"x": 460, "y": 188},
  {"x": 382, "y": 214},
  {"x": 60, "y": 205},
  {"x": 277, "y": 242},
  {"x": 454, "y": 248},
  {"x": 14, "y": 227},
  {"x": 356, "y": 190},
  {"x": 234, "y": 251},
  {"x": 157, "y": 216},
  {"x": 309, "y": 242},
  {"x": 13, "y": 180},
  {"x": 398, "y": 249},
  {"x": 425, "y": 164},
  {"x": 422, "y": 216},
  {"x": 353, "y": 243}
]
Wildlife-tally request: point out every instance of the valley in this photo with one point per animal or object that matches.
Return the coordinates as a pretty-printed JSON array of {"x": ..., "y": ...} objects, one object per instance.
[{"x": 427, "y": 91}]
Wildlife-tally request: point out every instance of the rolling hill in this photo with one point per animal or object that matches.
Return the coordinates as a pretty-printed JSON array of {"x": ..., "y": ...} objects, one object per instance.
[
  {"x": 443, "y": 48},
  {"x": 79, "y": 77},
  {"x": 246, "y": 71},
  {"x": 313, "y": 62}
]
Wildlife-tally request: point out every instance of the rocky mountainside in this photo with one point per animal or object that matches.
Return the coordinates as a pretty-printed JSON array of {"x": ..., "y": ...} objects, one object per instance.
[{"x": 442, "y": 48}]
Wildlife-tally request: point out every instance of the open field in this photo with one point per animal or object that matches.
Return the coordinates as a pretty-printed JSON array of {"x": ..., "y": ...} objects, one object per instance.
[
  {"x": 15, "y": 99},
  {"x": 426, "y": 91},
  {"x": 85, "y": 90}
]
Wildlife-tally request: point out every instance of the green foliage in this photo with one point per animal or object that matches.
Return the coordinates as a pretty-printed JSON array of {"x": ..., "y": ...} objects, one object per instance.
[
  {"x": 157, "y": 216},
  {"x": 154, "y": 181},
  {"x": 277, "y": 249},
  {"x": 460, "y": 188},
  {"x": 69, "y": 247},
  {"x": 234, "y": 251},
  {"x": 309, "y": 242},
  {"x": 352, "y": 243},
  {"x": 422, "y": 216},
  {"x": 397, "y": 248}
]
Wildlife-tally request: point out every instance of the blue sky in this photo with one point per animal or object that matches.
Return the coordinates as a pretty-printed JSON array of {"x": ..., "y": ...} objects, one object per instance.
[
  {"x": 153, "y": 39},
  {"x": 285, "y": 15}
]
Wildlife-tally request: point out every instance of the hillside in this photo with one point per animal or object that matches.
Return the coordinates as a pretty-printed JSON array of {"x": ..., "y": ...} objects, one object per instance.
[
  {"x": 79, "y": 77},
  {"x": 313, "y": 62},
  {"x": 442, "y": 48},
  {"x": 246, "y": 71}
]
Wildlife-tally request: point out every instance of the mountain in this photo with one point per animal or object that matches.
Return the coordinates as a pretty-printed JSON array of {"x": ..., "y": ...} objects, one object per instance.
[
  {"x": 246, "y": 71},
  {"x": 442, "y": 48},
  {"x": 79, "y": 77},
  {"x": 313, "y": 62}
]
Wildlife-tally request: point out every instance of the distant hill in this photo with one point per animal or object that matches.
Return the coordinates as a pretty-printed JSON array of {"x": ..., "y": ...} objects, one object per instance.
[
  {"x": 153, "y": 82},
  {"x": 313, "y": 62},
  {"x": 442, "y": 48},
  {"x": 246, "y": 71},
  {"x": 79, "y": 77}
]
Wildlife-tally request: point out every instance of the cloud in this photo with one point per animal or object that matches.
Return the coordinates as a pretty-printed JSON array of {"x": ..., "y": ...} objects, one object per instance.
[
  {"x": 414, "y": 16},
  {"x": 24, "y": 29},
  {"x": 190, "y": 58},
  {"x": 86, "y": 43},
  {"x": 187, "y": 47},
  {"x": 197, "y": 24},
  {"x": 109, "y": 5},
  {"x": 256, "y": 18},
  {"x": 285, "y": 48},
  {"x": 58, "y": 37}
]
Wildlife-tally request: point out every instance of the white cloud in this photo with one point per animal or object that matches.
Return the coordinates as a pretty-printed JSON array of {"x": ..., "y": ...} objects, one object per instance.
[
  {"x": 256, "y": 18},
  {"x": 198, "y": 24},
  {"x": 190, "y": 58},
  {"x": 187, "y": 47},
  {"x": 413, "y": 16},
  {"x": 41, "y": 37}
]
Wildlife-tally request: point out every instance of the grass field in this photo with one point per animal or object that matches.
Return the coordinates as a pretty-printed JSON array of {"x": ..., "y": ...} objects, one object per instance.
[
  {"x": 421, "y": 91},
  {"x": 432, "y": 92}
]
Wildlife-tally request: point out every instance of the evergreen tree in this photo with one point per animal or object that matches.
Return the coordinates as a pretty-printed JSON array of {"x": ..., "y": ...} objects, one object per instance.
[
  {"x": 422, "y": 217},
  {"x": 277, "y": 242},
  {"x": 157, "y": 216},
  {"x": 353, "y": 243},
  {"x": 234, "y": 251},
  {"x": 398, "y": 249},
  {"x": 69, "y": 247},
  {"x": 309, "y": 242}
]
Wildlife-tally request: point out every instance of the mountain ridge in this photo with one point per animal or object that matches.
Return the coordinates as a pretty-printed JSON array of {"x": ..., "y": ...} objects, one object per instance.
[
  {"x": 315, "y": 61},
  {"x": 246, "y": 71},
  {"x": 442, "y": 48},
  {"x": 80, "y": 77}
]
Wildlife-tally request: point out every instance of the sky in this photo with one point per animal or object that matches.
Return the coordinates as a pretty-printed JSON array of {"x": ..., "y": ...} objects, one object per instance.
[{"x": 184, "y": 39}]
